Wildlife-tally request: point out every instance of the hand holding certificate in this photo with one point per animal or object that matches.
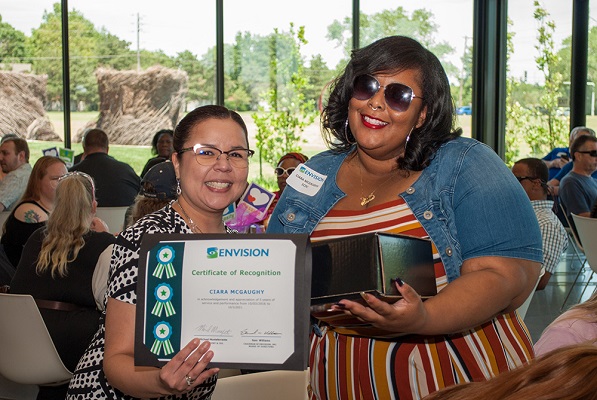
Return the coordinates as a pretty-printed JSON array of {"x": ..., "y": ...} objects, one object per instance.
[{"x": 247, "y": 295}]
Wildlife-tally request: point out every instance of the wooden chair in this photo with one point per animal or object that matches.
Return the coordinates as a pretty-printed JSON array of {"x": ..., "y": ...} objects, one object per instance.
[
  {"x": 587, "y": 234},
  {"x": 27, "y": 352}
]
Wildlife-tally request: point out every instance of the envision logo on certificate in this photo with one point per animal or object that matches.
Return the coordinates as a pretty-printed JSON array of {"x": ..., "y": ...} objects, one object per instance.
[{"x": 248, "y": 295}]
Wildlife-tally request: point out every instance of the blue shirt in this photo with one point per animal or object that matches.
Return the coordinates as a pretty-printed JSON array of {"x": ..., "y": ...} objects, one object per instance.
[
  {"x": 467, "y": 200},
  {"x": 558, "y": 152},
  {"x": 578, "y": 193}
]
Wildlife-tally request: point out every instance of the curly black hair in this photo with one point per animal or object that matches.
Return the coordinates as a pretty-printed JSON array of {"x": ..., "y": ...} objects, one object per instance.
[{"x": 390, "y": 55}]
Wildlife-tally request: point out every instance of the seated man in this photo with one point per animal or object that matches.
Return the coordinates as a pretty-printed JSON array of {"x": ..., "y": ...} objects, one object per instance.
[
  {"x": 116, "y": 182},
  {"x": 532, "y": 175},
  {"x": 566, "y": 166},
  {"x": 560, "y": 156},
  {"x": 14, "y": 160},
  {"x": 578, "y": 190}
]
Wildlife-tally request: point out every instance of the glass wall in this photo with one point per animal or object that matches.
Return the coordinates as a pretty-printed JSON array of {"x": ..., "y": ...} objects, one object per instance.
[
  {"x": 277, "y": 66},
  {"x": 433, "y": 24},
  {"x": 538, "y": 104},
  {"x": 264, "y": 51},
  {"x": 30, "y": 70}
]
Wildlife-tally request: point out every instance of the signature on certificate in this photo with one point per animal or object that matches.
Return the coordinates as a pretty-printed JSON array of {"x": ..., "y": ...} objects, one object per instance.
[
  {"x": 257, "y": 332},
  {"x": 212, "y": 330}
]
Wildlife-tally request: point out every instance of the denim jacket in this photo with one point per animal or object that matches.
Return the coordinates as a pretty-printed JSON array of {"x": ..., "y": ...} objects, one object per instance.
[{"x": 467, "y": 200}]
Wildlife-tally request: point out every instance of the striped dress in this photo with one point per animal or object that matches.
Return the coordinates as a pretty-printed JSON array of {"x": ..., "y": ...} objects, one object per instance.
[{"x": 363, "y": 363}]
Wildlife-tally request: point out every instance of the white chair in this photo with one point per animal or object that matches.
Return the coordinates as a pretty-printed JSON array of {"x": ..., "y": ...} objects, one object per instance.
[
  {"x": 113, "y": 217},
  {"x": 587, "y": 234},
  {"x": 522, "y": 310},
  {"x": 27, "y": 353},
  {"x": 578, "y": 249},
  {"x": 269, "y": 385}
]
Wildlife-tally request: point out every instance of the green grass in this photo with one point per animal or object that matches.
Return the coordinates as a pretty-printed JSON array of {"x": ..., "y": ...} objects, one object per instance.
[{"x": 135, "y": 156}]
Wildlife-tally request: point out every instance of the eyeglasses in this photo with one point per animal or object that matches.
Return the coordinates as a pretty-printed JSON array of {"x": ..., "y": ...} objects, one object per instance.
[
  {"x": 83, "y": 174},
  {"x": 208, "y": 155},
  {"x": 522, "y": 178},
  {"x": 592, "y": 153},
  {"x": 398, "y": 96},
  {"x": 281, "y": 171}
]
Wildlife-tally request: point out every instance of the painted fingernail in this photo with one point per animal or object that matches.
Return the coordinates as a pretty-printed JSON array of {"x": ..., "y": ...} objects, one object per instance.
[
  {"x": 339, "y": 305},
  {"x": 399, "y": 281},
  {"x": 364, "y": 296}
]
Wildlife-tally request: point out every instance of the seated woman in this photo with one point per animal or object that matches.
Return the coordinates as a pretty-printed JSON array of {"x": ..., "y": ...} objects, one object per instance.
[
  {"x": 58, "y": 269},
  {"x": 577, "y": 325},
  {"x": 161, "y": 147},
  {"x": 34, "y": 208},
  {"x": 158, "y": 188},
  {"x": 286, "y": 166}
]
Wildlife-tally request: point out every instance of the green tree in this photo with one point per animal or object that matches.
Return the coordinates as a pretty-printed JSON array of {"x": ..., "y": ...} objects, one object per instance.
[
  {"x": 551, "y": 131},
  {"x": 418, "y": 25},
  {"x": 46, "y": 48},
  {"x": 318, "y": 77},
  {"x": 465, "y": 88},
  {"x": 565, "y": 55},
  {"x": 12, "y": 43},
  {"x": 287, "y": 113},
  {"x": 195, "y": 69}
]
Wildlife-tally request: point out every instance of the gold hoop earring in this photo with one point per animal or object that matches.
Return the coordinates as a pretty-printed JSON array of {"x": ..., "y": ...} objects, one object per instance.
[{"x": 346, "y": 133}]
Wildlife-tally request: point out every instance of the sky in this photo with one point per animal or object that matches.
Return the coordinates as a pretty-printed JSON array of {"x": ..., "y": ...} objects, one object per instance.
[{"x": 177, "y": 25}]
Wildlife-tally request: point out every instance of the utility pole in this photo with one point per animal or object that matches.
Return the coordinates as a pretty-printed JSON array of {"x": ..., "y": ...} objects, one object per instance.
[{"x": 138, "y": 44}]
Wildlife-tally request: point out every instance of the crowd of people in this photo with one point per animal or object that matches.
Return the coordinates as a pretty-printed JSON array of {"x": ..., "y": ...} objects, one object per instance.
[{"x": 396, "y": 164}]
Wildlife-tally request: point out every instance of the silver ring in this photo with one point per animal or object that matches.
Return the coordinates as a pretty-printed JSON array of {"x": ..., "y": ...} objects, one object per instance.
[{"x": 189, "y": 380}]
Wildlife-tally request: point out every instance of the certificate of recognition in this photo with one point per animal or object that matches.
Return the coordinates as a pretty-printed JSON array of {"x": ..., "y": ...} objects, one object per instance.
[{"x": 248, "y": 295}]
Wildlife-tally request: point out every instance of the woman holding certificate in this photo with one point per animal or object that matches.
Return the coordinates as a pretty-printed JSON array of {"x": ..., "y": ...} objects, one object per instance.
[
  {"x": 397, "y": 165},
  {"x": 211, "y": 165}
]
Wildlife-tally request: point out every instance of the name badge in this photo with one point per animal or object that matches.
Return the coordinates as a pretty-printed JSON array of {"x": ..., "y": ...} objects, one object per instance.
[{"x": 305, "y": 180}]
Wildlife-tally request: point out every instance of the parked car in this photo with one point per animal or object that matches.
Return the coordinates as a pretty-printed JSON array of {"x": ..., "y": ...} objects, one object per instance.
[{"x": 464, "y": 110}]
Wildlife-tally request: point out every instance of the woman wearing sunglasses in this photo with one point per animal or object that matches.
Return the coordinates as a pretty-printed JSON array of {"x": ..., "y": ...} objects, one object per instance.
[
  {"x": 286, "y": 166},
  {"x": 397, "y": 165},
  {"x": 211, "y": 161}
]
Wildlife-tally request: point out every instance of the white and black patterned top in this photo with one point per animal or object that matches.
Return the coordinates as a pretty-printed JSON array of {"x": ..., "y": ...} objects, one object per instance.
[{"x": 89, "y": 380}]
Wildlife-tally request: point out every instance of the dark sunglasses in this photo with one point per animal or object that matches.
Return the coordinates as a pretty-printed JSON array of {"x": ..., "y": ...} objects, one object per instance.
[
  {"x": 398, "y": 96},
  {"x": 281, "y": 171},
  {"x": 522, "y": 178},
  {"x": 592, "y": 153}
]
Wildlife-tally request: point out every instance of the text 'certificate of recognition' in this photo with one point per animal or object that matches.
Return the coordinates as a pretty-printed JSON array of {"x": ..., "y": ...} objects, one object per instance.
[{"x": 239, "y": 294}]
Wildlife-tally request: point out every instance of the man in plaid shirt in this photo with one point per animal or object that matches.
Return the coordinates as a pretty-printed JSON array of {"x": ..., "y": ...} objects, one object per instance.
[{"x": 532, "y": 174}]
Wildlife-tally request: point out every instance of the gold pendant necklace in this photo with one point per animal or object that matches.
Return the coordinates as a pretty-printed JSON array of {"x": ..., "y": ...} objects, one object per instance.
[
  {"x": 365, "y": 200},
  {"x": 192, "y": 223}
]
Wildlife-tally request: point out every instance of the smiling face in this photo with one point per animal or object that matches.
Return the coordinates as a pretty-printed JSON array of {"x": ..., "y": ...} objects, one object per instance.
[
  {"x": 212, "y": 188},
  {"x": 379, "y": 130}
]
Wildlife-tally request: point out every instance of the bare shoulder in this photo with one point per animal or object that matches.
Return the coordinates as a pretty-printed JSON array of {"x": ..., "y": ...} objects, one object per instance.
[{"x": 30, "y": 213}]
